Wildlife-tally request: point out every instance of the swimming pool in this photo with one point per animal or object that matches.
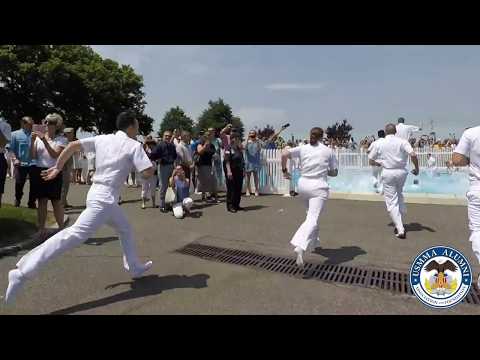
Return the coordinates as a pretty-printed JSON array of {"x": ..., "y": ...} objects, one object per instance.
[{"x": 361, "y": 181}]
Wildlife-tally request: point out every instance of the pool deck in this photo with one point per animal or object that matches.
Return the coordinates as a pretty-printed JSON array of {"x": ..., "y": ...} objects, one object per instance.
[{"x": 410, "y": 198}]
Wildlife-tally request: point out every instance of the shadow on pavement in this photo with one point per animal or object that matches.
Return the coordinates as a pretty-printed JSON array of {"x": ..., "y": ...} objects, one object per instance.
[
  {"x": 143, "y": 287},
  {"x": 341, "y": 255},
  {"x": 195, "y": 214},
  {"x": 415, "y": 227},
  {"x": 100, "y": 241},
  {"x": 254, "y": 207}
]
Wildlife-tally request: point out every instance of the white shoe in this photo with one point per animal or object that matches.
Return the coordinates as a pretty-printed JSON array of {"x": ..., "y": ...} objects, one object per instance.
[
  {"x": 257, "y": 194},
  {"x": 247, "y": 194},
  {"x": 15, "y": 282},
  {"x": 139, "y": 271},
  {"x": 299, "y": 253}
]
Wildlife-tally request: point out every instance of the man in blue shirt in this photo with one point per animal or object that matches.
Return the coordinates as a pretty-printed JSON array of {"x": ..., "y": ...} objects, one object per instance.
[{"x": 20, "y": 151}]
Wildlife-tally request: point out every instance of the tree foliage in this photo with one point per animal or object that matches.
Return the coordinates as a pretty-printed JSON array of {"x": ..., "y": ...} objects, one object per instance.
[
  {"x": 72, "y": 80},
  {"x": 339, "y": 131},
  {"x": 175, "y": 118},
  {"x": 218, "y": 115}
]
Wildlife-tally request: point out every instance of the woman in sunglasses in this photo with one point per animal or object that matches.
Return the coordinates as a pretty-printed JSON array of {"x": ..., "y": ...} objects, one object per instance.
[{"x": 46, "y": 148}]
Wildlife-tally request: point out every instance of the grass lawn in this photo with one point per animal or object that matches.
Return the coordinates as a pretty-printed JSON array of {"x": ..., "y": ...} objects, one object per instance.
[{"x": 17, "y": 224}]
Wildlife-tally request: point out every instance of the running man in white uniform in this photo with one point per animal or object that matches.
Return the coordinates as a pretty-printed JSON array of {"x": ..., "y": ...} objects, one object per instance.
[
  {"x": 115, "y": 157},
  {"x": 392, "y": 154},
  {"x": 405, "y": 132},
  {"x": 377, "y": 170},
  {"x": 316, "y": 162},
  {"x": 467, "y": 152}
]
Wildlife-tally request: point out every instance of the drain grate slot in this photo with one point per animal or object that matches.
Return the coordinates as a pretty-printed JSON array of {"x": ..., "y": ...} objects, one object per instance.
[{"x": 392, "y": 281}]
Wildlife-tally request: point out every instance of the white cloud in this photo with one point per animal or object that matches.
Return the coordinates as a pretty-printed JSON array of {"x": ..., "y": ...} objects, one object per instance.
[
  {"x": 294, "y": 86},
  {"x": 260, "y": 117}
]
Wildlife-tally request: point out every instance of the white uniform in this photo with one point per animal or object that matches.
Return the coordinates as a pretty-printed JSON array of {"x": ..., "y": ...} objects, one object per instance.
[
  {"x": 393, "y": 154},
  {"x": 469, "y": 146},
  {"x": 376, "y": 170},
  {"x": 315, "y": 161},
  {"x": 405, "y": 132},
  {"x": 115, "y": 156}
]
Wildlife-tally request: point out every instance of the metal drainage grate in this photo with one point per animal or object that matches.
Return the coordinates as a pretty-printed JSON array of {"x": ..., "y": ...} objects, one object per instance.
[{"x": 393, "y": 281}]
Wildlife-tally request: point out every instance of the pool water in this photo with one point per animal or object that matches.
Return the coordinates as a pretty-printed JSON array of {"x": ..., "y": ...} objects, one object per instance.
[{"x": 361, "y": 181}]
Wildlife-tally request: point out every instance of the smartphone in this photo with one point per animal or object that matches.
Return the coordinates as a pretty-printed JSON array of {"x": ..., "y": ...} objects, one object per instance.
[{"x": 41, "y": 129}]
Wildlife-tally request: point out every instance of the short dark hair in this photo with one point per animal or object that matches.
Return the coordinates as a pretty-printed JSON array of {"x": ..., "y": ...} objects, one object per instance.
[
  {"x": 317, "y": 129},
  {"x": 125, "y": 120},
  {"x": 401, "y": 120},
  {"x": 235, "y": 135},
  {"x": 381, "y": 133}
]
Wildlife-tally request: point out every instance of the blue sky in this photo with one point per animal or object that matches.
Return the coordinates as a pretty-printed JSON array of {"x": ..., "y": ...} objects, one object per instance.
[{"x": 313, "y": 85}]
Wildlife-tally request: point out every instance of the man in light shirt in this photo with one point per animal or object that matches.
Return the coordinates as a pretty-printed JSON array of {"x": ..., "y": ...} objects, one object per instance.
[
  {"x": 377, "y": 170},
  {"x": 392, "y": 155},
  {"x": 115, "y": 157},
  {"x": 405, "y": 131},
  {"x": 5, "y": 136},
  {"x": 467, "y": 152},
  {"x": 317, "y": 162}
]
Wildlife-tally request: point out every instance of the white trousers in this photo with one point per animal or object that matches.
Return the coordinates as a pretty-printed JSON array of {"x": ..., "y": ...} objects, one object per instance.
[
  {"x": 393, "y": 182},
  {"x": 90, "y": 220},
  {"x": 473, "y": 198},
  {"x": 377, "y": 177},
  {"x": 148, "y": 187},
  {"x": 178, "y": 208},
  {"x": 314, "y": 194}
]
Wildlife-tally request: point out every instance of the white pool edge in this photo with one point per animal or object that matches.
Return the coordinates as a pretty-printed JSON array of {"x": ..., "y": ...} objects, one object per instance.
[{"x": 410, "y": 198}]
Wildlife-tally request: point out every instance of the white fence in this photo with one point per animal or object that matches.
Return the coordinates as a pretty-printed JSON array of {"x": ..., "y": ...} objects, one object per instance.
[{"x": 272, "y": 181}]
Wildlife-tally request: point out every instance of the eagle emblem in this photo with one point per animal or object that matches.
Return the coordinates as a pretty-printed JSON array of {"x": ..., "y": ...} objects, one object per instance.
[{"x": 440, "y": 283}]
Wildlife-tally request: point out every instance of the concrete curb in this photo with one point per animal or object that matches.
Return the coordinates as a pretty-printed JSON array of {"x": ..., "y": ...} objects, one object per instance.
[{"x": 30, "y": 242}]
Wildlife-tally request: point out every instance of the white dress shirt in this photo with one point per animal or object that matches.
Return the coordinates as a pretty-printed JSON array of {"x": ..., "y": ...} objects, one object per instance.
[
  {"x": 392, "y": 153},
  {"x": 469, "y": 146},
  {"x": 115, "y": 156},
  {"x": 315, "y": 160}
]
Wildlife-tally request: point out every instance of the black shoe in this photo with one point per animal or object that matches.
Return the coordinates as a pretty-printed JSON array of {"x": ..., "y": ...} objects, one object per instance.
[
  {"x": 402, "y": 236},
  {"x": 239, "y": 208},
  {"x": 17, "y": 203},
  {"x": 163, "y": 210},
  {"x": 231, "y": 210}
]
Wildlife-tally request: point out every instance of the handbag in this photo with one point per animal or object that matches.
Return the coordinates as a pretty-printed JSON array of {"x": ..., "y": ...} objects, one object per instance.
[{"x": 170, "y": 196}]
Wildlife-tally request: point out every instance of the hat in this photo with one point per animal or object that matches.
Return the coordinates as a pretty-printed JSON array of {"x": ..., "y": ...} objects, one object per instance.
[{"x": 68, "y": 130}]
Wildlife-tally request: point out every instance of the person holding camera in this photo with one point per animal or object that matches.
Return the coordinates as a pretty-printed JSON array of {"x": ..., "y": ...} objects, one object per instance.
[
  {"x": 392, "y": 154},
  {"x": 46, "y": 148},
  {"x": 181, "y": 185}
]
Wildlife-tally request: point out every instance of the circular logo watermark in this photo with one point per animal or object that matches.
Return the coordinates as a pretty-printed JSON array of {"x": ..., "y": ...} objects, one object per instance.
[{"x": 440, "y": 277}]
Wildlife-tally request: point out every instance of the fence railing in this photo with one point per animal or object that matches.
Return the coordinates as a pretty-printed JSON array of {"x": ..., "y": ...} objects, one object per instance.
[{"x": 272, "y": 181}]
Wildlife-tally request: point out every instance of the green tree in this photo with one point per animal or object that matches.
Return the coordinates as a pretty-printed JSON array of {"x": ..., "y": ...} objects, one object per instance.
[
  {"x": 175, "y": 118},
  {"x": 218, "y": 115},
  {"x": 72, "y": 80},
  {"x": 339, "y": 131}
]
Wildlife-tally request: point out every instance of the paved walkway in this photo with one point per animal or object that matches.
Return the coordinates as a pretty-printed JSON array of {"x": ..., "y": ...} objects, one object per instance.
[{"x": 91, "y": 280}]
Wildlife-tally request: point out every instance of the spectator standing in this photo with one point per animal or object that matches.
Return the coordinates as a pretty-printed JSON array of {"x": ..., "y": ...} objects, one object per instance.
[
  {"x": 149, "y": 185},
  {"x": 184, "y": 154},
  {"x": 233, "y": 165},
  {"x": 67, "y": 169},
  {"x": 5, "y": 137},
  {"x": 207, "y": 182},
  {"x": 20, "y": 147},
  {"x": 166, "y": 154},
  {"x": 253, "y": 150},
  {"x": 45, "y": 149}
]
